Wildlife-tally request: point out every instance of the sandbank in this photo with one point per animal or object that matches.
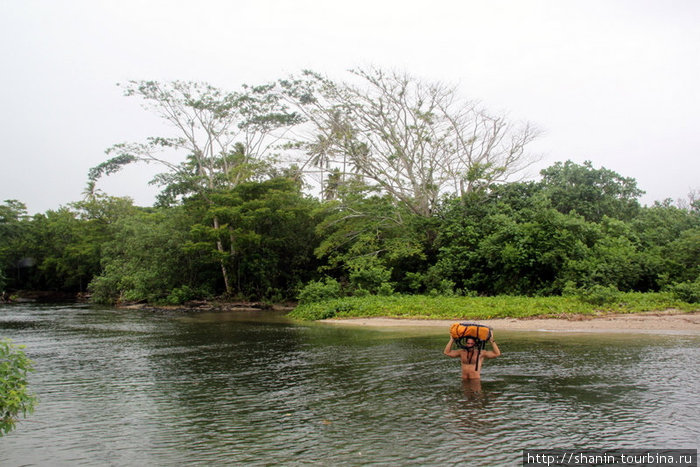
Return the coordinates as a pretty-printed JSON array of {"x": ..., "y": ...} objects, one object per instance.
[{"x": 665, "y": 322}]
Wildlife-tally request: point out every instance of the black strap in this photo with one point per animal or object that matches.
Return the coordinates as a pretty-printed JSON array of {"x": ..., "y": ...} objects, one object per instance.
[{"x": 480, "y": 344}]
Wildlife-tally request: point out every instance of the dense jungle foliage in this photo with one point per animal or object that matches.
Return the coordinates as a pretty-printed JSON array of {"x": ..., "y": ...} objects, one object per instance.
[
  {"x": 413, "y": 198},
  {"x": 578, "y": 229}
]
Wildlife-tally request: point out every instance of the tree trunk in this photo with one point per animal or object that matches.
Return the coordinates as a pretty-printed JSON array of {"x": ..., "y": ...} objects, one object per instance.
[{"x": 220, "y": 247}]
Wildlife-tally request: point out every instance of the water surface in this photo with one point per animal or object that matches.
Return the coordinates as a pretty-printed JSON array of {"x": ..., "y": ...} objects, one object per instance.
[{"x": 124, "y": 387}]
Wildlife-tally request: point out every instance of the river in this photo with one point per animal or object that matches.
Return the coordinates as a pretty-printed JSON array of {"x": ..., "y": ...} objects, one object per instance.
[{"x": 130, "y": 387}]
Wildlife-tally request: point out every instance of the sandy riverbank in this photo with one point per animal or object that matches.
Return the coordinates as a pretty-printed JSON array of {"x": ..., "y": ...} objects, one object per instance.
[{"x": 666, "y": 322}]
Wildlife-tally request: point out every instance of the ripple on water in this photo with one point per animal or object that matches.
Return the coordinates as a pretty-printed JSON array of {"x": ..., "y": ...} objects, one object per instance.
[{"x": 125, "y": 388}]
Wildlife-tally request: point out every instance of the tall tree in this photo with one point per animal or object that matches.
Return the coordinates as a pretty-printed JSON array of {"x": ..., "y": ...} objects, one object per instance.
[
  {"x": 273, "y": 236},
  {"x": 367, "y": 240},
  {"x": 13, "y": 222},
  {"x": 225, "y": 137},
  {"x": 415, "y": 140},
  {"x": 510, "y": 240},
  {"x": 590, "y": 192},
  {"x": 145, "y": 259}
]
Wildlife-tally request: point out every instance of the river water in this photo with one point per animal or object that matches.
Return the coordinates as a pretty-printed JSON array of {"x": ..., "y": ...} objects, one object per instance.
[{"x": 129, "y": 387}]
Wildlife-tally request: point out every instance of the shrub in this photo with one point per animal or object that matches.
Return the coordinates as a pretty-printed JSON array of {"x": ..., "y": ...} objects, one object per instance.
[
  {"x": 317, "y": 291},
  {"x": 104, "y": 290},
  {"x": 385, "y": 289},
  {"x": 180, "y": 295},
  {"x": 446, "y": 287},
  {"x": 687, "y": 291},
  {"x": 370, "y": 277},
  {"x": 415, "y": 281},
  {"x": 360, "y": 292},
  {"x": 15, "y": 397},
  {"x": 432, "y": 282},
  {"x": 477, "y": 308},
  {"x": 598, "y": 294}
]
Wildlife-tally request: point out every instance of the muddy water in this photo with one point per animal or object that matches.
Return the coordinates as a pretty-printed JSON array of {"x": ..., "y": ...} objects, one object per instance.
[{"x": 141, "y": 388}]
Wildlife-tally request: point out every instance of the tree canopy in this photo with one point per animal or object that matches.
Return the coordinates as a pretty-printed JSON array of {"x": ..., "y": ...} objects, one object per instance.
[
  {"x": 415, "y": 140},
  {"x": 416, "y": 196}
]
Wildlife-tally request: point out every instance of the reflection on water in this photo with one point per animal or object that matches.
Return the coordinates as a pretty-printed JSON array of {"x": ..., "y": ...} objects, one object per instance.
[{"x": 130, "y": 387}]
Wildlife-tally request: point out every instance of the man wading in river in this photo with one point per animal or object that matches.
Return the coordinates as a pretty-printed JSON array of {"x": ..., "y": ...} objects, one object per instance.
[{"x": 470, "y": 356}]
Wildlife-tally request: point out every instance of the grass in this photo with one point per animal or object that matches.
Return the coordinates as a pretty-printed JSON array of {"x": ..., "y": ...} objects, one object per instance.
[{"x": 441, "y": 307}]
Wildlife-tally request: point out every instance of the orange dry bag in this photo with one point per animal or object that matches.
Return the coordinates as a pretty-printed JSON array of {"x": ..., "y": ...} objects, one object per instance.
[{"x": 479, "y": 332}]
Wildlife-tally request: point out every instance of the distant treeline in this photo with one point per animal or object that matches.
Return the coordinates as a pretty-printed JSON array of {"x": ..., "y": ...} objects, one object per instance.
[
  {"x": 578, "y": 229},
  {"x": 413, "y": 198}
]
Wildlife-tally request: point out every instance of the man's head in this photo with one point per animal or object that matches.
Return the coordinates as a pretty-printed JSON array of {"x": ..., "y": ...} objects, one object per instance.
[{"x": 470, "y": 342}]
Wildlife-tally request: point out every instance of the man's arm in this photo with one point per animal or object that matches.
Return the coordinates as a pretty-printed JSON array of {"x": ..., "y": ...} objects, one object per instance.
[
  {"x": 448, "y": 349},
  {"x": 496, "y": 352}
]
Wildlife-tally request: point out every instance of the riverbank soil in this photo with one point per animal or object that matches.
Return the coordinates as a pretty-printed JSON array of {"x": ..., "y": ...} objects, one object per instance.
[{"x": 670, "y": 322}]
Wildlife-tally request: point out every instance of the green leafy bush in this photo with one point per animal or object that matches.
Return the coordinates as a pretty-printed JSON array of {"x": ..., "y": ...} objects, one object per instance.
[
  {"x": 104, "y": 290},
  {"x": 180, "y": 295},
  {"x": 385, "y": 289},
  {"x": 369, "y": 276},
  {"x": 502, "y": 306},
  {"x": 599, "y": 294},
  {"x": 687, "y": 291},
  {"x": 15, "y": 397},
  {"x": 316, "y": 291}
]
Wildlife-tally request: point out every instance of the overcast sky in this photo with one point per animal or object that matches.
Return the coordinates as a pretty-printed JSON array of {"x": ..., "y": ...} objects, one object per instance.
[{"x": 614, "y": 82}]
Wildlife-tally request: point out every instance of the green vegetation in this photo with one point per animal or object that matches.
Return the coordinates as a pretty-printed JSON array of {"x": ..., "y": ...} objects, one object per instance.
[
  {"x": 687, "y": 291},
  {"x": 439, "y": 307},
  {"x": 413, "y": 201},
  {"x": 15, "y": 397}
]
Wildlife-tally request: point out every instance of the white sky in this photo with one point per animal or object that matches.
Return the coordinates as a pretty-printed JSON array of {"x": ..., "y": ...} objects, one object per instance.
[{"x": 612, "y": 81}]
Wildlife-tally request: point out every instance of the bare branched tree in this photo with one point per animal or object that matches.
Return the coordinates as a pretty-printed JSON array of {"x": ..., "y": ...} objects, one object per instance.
[
  {"x": 416, "y": 140},
  {"x": 691, "y": 202}
]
